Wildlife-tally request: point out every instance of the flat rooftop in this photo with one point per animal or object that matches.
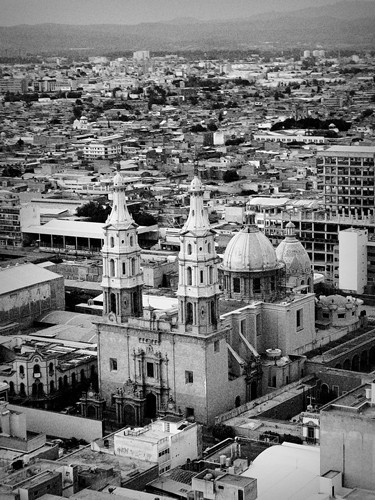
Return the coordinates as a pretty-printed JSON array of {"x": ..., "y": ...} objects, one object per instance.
[
  {"x": 349, "y": 149},
  {"x": 355, "y": 402}
]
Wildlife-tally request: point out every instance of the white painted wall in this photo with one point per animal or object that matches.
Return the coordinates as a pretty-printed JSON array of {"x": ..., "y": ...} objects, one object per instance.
[{"x": 353, "y": 260}]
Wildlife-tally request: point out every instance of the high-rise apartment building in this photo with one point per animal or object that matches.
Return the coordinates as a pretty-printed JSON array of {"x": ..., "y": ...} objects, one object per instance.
[
  {"x": 10, "y": 224},
  {"x": 348, "y": 183},
  {"x": 348, "y": 180}
]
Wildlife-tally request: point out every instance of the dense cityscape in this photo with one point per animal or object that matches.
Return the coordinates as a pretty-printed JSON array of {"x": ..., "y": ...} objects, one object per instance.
[{"x": 187, "y": 274}]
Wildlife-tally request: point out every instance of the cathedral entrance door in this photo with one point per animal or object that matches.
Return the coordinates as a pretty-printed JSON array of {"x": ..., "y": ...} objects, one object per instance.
[
  {"x": 129, "y": 415},
  {"x": 150, "y": 409}
]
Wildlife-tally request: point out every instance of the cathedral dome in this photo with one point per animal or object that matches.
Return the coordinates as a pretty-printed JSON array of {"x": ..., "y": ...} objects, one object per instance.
[
  {"x": 292, "y": 253},
  {"x": 249, "y": 250}
]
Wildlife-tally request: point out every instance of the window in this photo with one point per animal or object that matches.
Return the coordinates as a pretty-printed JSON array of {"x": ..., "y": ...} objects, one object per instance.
[
  {"x": 113, "y": 364},
  {"x": 201, "y": 276},
  {"x": 217, "y": 346},
  {"x": 341, "y": 315},
  {"x": 189, "y": 249},
  {"x": 111, "y": 267},
  {"x": 299, "y": 319},
  {"x": 256, "y": 285},
  {"x": 189, "y": 378},
  {"x": 189, "y": 412},
  {"x": 243, "y": 326},
  {"x": 236, "y": 285},
  {"x": 22, "y": 371},
  {"x": 123, "y": 268},
  {"x": 189, "y": 276},
  {"x": 189, "y": 313},
  {"x": 164, "y": 452},
  {"x": 131, "y": 241},
  {"x": 210, "y": 275},
  {"x": 150, "y": 370},
  {"x": 112, "y": 240}
]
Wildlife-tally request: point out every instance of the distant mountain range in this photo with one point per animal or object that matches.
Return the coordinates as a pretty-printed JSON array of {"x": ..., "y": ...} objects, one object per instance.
[{"x": 347, "y": 24}]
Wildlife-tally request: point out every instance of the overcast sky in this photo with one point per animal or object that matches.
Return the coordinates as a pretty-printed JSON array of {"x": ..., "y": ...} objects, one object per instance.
[{"x": 136, "y": 11}]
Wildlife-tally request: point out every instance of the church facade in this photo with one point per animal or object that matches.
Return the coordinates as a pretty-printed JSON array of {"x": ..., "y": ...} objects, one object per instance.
[{"x": 188, "y": 360}]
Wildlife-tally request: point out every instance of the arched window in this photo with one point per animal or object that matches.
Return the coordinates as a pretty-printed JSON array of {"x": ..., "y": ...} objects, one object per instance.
[
  {"x": 50, "y": 368},
  {"x": 65, "y": 380},
  {"x": 189, "y": 276},
  {"x": 73, "y": 379},
  {"x": 112, "y": 241},
  {"x": 209, "y": 248},
  {"x": 210, "y": 275},
  {"x": 82, "y": 373},
  {"x": 133, "y": 266},
  {"x": 189, "y": 313},
  {"x": 113, "y": 304},
  {"x": 189, "y": 249},
  {"x": 22, "y": 371},
  {"x": 36, "y": 370},
  {"x": 11, "y": 387},
  {"x": 22, "y": 389},
  {"x": 111, "y": 267},
  {"x": 201, "y": 276},
  {"x": 131, "y": 241},
  {"x": 213, "y": 313},
  {"x": 52, "y": 387}
]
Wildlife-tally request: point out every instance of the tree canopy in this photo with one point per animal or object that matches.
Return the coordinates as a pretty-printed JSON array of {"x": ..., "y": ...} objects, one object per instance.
[{"x": 95, "y": 211}]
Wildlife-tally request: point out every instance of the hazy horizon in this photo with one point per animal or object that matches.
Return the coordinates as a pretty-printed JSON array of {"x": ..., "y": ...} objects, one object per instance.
[{"x": 16, "y": 12}]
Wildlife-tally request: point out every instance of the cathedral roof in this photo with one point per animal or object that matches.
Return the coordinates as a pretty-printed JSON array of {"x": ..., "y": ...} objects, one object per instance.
[
  {"x": 249, "y": 250},
  {"x": 292, "y": 253}
]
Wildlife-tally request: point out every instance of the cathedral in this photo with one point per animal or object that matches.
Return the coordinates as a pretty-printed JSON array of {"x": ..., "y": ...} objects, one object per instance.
[{"x": 187, "y": 359}]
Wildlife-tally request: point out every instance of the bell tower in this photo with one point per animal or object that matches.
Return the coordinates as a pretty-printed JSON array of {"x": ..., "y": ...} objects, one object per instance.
[
  {"x": 198, "y": 289},
  {"x": 122, "y": 277}
]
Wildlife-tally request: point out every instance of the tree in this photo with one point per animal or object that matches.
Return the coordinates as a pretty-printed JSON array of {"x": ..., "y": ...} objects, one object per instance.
[
  {"x": 95, "y": 211},
  {"x": 230, "y": 176},
  {"x": 143, "y": 218},
  {"x": 11, "y": 171}
]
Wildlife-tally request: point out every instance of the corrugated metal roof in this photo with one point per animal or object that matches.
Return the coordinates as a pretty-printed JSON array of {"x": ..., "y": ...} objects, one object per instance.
[{"x": 22, "y": 276}]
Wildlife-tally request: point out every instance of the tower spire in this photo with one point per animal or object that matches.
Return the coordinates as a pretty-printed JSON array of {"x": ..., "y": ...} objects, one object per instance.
[
  {"x": 198, "y": 288},
  {"x": 197, "y": 221},
  {"x": 122, "y": 276},
  {"x": 119, "y": 215}
]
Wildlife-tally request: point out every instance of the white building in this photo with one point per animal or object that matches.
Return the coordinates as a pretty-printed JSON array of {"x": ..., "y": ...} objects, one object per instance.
[
  {"x": 353, "y": 260},
  {"x": 141, "y": 55},
  {"x": 168, "y": 442}
]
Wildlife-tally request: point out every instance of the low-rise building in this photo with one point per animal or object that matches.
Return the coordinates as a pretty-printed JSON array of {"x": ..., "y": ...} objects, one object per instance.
[
  {"x": 168, "y": 441},
  {"x": 27, "y": 291}
]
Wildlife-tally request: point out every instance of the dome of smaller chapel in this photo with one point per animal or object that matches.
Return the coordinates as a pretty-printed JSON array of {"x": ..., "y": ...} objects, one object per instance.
[{"x": 292, "y": 253}]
